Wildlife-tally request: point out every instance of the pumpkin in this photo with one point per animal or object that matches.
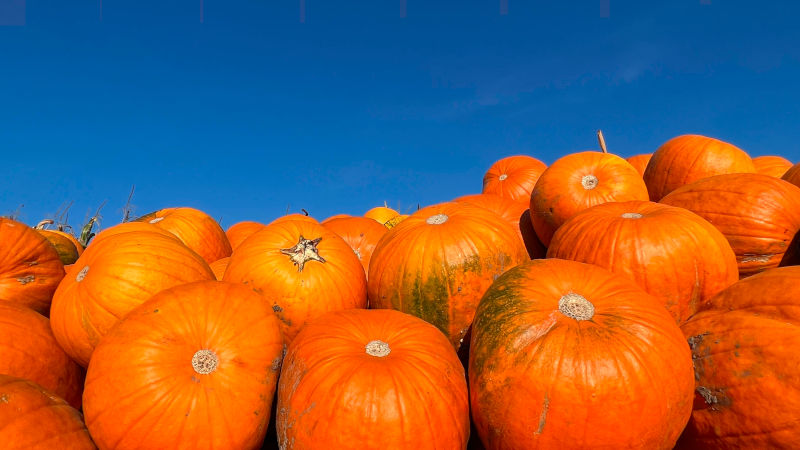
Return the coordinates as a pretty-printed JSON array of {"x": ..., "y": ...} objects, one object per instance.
[
  {"x": 67, "y": 251},
  {"x": 744, "y": 348},
  {"x": 294, "y": 216},
  {"x": 360, "y": 233},
  {"x": 391, "y": 223},
  {"x": 219, "y": 266},
  {"x": 437, "y": 263},
  {"x": 793, "y": 175},
  {"x": 195, "y": 366},
  {"x": 372, "y": 379},
  {"x": 29, "y": 350},
  {"x": 578, "y": 181},
  {"x": 199, "y": 231},
  {"x": 114, "y": 275},
  {"x": 534, "y": 246},
  {"x": 240, "y": 231},
  {"x": 334, "y": 217},
  {"x": 639, "y": 162},
  {"x": 30, "y": 268},
  {"x": 638, "y": 240},
  {"x": 688, "y": 158},
  {"x": 511, "y": 211},
  {"x": 302, "y": 270},
  {"x": 32, "y": 418},
  {"x": 568, "y": 355},
  {"x": 757, "y": 213},
  {"x": 774, "y": 166},
  {"x": 381, "y": 214},
  {"x": 513, "y": 177},
  {"x": 127, "y": 227}
]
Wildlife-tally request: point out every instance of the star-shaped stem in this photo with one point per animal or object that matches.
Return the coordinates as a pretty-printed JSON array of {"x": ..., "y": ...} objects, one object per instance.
[{"x": 304, "y": 251}]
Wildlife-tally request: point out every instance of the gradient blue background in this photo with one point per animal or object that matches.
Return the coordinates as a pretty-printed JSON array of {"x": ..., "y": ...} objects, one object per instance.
[{"x": 253, "y": 107}]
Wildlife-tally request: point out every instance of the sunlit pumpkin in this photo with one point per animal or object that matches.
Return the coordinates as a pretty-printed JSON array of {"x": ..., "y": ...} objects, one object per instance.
[
  {"x": 513, "y": 177},
  {"x": 360, "y": 233},
  {"x": 240, "y": 231},
  {"x": 199, "y": 231},
  {"x": 774, "y": 166}
]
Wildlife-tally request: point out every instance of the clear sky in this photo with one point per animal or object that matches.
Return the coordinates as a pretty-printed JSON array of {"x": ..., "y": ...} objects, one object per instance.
[{"x": 246, "y": 108}]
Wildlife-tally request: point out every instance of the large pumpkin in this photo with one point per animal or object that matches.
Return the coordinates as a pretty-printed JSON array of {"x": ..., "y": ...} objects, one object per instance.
[
  {"x": 302, "y": 270},
  {"x": 240, "y": 231},
  {"x": 193, "y": 367},
  {"x": 568, "y": 355},
  {"x": 30, "y": 268},
  {"x": 639, "y": 241},
  {"x": 32, "y": 418},
  {"x": 113, "y": 276},
  {"x": 199, "y": 231},
  {"x": 360, "y": 233},
  {"x": 438, "y": 262},
  {"x": 29, "y": 350},
  {"x": 579, "y": 181},
  {"x": 372, "y": 379},
  {"x": 744, "y": 347},
  {"x": 758, "y": 214},
  {"x": 688, "y": 158},
  {"x": 513, "y": 177},
  {"x": 774, "y": 166}
]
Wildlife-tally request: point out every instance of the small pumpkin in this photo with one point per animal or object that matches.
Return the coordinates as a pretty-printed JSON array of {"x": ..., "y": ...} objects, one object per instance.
[
  {"x": 195, "y": 366},
  {"x": 381, "y": 214},
  {"x": 688, "y": 158},
  {"x": 30, "y": 267},
  {"x": 568, "y": 355},
  {"x": 32, "y": 418},
  {"x": 513, "y": 177},
  {"x": 774, "y": 166},
  {"x": 29, "y": 350},
  {"x": 302, "y": 270},
  {"x": 372, "y": 379},
  {"x": 744, "y": 348},
  {"x": 199, "y": 231},
  {"x": 219, "y": 266},
  {"x": 639, "y": 162},
  {"x": 360, "y": 233},
  {"x": 67, "y": 249},
  {"x": 240, "y": 231}
]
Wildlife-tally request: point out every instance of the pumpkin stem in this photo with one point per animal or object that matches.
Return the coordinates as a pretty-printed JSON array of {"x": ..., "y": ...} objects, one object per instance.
[
  {"x": 437, "y": 219},
  {"x": 82, "y": 274},
  {"x": 204, "y": 362},
  {"x": 304, "y": 251},
  {"x": 602, "y": 141},
  {"x": 631, "y": 216},
  {"x": 589, "y": 182},
  {"x": 576, "y": 306},
  {"x": 377, "y": 348},
  {"x": 42, "y": 224}
]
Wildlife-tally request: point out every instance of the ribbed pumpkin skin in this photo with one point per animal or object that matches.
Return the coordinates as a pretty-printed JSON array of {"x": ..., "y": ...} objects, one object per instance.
[
  {"x": 32, "y": 418},
  {"x": 758, "y": 214},
  {"x": 774, "y": 166},
  {"x": 113, "y": 276},
  {"x": 199, "y": 231},
  {"x": 240, "y": 231},
  {"x": 299, "y": 296},
  {"x": 127, "y": 227},
  {"x": 638, "y": 240},
  {"x": 439, "y": 271},
  {"x": 744, "y": 348},
  {"x": 219, "y": 266},
  {"x": 30, "y": 351},
  {"x": 381, "y": 214},
  {"x": 541, "y": 379},
  {"x": 68, "y": 249},
  {"x": 142, "y": 387},
  {"x": 360, "y": 233},
  {"x": 333, "y": 394},
  {"x": 579, "y": 181},
  {"x": 688, "y": 158},
  {"x": 513, "y": 177},
  {"x": 639, "y": 162},
  {"x": 30, "y": 268},
  {"x": 793, "y": 175}
]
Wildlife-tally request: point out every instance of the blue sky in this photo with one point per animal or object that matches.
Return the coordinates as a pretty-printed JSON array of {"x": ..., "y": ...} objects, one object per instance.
[{"x": 337, "y": 106}]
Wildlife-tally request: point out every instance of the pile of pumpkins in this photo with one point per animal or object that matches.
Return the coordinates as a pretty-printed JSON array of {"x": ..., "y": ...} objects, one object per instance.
[{"x": 599, "y": 302}]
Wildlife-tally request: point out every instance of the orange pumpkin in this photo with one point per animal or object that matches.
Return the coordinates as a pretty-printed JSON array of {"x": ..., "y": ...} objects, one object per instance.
[
  {"x": 744, "y": 347},
  {"x": 639, "y": 162},
  {"x": 437, "y": 263},
  {"x": 114, "y": 275},
  {"x": 758, "y": 214},
  {"x": 579, "y": 181},
  {"x": 127, "y": 227},
  {"x": 347, "y": 383},
  {"x": 32, "y": 418},
  {"x": 30, "y": 268},
  {"x": 793, "y": 175},
  {"x": 195, "y": 366},
  {"x": 199, "y": 231},
  {"x": 391, "y": 223},
  {"x": 66, "y": 247},
  {"x": 381, "y": 214},
  {"x": 30, "y": 351},
  {"x": 334, "y": 217},
  {"x": 238, "y": 232},
  {"x": 219, "y": 266},
  {"x": 568, "y": 355},
  {"x": 774, "y": 166},
  {"x": 302, "y": 270},
  {"x": 638, "y": 240},
  {"x": 294, "y": 216},
  {"x": 360, "y": 233},
  {"x": 685, "y": 159},
  {"x": 513, "y": 177}
]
